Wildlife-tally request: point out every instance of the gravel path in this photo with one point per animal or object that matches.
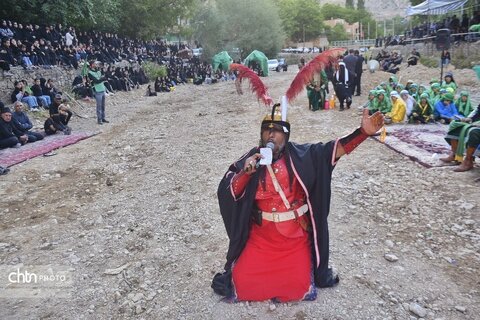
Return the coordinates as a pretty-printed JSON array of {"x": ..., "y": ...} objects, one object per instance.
[{"x": 142, "y": 196}]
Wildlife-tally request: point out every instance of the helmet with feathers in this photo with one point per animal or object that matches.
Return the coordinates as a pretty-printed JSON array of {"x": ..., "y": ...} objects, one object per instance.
[{"x": 277, "y": 113}]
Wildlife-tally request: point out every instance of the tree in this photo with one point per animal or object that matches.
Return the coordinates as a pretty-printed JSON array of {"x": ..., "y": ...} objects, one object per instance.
[
  {"x": 246, "y": 25},
  {"x": 349, "y": 4},
  {"x": 301, "y": 19},
  {"x": 149, "y": 18},
  {"x": 361, "y": 5},
  {"x": 337, "y": 33}
]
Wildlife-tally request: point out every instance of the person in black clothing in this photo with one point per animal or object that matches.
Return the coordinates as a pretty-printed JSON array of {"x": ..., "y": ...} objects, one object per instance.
[
  {"x": 57, "y": 122},
  {"x": 350, "y": 61},
  {"x": 22, "y": 123},
  {"x": 358, "y": 72},
  {"x": 9, "y": 134},
  {"x": 55, "y": 108}
]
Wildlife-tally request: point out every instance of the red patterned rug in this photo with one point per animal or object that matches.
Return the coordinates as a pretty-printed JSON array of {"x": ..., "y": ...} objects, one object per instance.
[
  {"x": 12, "y": 156},
  {"x": 424, "y": 144}
]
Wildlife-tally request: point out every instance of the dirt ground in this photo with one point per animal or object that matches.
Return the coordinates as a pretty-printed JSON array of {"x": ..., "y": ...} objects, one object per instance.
[{"x": 142, "y": 196}]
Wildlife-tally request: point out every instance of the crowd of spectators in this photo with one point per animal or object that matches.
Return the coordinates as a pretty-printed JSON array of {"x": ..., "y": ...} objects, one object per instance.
[
  {"x": 33, "y": 46},
  {"x": 456, "y": 25}
]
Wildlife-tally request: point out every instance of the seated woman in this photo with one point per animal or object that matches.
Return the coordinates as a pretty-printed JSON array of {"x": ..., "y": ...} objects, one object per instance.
[
  {"x": 399, "y": 109},
  {"x": 423, "y": 111},
  {"x": 445, "y": 110},
  {"x": 461, "y": 134},
  {"x": 463, "y": 104}
]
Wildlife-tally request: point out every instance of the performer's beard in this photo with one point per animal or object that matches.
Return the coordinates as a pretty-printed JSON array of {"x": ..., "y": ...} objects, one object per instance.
[{"x": 277, "y": 150}]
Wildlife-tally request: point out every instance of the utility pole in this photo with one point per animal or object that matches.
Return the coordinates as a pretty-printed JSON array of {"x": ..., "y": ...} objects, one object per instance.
[
  {"x": 393, "y": 27},
  {"x": 384, "y": 28},
  {"x": 303, "y": 25},
  {"x": 368, "y": 27}
]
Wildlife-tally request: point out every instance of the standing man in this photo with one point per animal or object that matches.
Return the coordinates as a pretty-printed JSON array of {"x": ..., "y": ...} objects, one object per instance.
[
  {"x": 97, "y": 79},
  {"x": 358, "y": 73},
  {"x": 350, "y": 61},
  {"x": 276, "y": 215}
]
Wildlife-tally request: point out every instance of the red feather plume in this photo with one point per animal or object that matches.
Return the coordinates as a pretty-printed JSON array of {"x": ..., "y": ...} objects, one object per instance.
[
  {"x": 256, "y": 84},
  {"x": 305, "y": 75}
]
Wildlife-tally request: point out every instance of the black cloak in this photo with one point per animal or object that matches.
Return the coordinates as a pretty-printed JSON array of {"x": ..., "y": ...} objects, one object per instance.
[{"x": 313, "y": 165}]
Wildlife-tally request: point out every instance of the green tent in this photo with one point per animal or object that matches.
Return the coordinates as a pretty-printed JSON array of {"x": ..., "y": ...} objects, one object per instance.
[
  {"x": 260, "y": 59},
  {"x": 474, "y": 28},
  {"x": 477, "y": 71},
  {"x": 221, "y": 60}
]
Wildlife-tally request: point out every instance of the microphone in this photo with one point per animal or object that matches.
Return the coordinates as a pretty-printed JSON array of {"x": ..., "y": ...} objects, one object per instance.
[{"x": 270, "y": 145}]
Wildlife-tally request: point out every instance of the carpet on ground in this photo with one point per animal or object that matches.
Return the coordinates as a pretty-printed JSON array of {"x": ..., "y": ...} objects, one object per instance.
[
  {"x": 12, "y": 156},
  {"x": 423, "y": 143}
]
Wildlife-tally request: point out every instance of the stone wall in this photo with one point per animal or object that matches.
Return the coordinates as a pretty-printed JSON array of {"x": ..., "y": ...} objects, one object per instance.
[{"x": 63, "y": 78}]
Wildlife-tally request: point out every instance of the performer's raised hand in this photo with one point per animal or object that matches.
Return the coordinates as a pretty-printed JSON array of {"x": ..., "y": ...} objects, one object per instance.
[{"x": 371, "y": 124}]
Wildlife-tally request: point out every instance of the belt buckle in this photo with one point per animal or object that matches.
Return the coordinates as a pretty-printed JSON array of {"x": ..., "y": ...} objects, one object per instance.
[{"x": 275, "y": 217}]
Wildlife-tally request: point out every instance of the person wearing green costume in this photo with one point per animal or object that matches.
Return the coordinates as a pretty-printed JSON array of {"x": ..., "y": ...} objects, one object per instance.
[
  {"x": 464, "y": 134},
  {"x": 423, "y": 111},
  {"x": 381, "y": 103},
  {"x": 421, "y": 90},
  {"x": 434, "y": 92},
  {"x": 317, "y": 92},
  {"x": 370, "y": 104},
  {"x": 383, "y": 86},
  {"x": 413, "y": 90},
  {"x": 97, "y": 79},
  {"x": 464, "y": 105},
  {"x": 449, "y": 82}
]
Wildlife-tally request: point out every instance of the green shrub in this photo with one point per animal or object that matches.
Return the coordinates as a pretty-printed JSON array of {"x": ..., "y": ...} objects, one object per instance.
[
  {"x": 153, "y": 70},
  {"x": 430, "y": 62}
]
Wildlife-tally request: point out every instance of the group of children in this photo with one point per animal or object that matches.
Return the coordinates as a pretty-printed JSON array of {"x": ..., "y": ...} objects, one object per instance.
[{"x": 415, "y": 103}]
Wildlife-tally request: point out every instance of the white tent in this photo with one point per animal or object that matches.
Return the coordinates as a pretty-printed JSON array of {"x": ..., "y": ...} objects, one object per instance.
[{"x": 435, "y": 7}]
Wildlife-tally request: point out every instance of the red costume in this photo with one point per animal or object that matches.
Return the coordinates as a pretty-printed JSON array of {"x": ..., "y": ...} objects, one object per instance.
[{"x": 276, "y": 261}]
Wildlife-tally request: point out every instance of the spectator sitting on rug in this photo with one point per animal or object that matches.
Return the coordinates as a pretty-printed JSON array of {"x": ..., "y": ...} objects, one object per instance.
[
  {"x": 409, "y": 102},
  {"x": 10, "y": 136},
  {"x": 463, "y": 104},
  {"x": 23, "y": 124},
  {"x": 445, "y": 110},
  {"x": 423, "y": 111},
  {"x": 54, "y": 108},
  {"x": 397, "y": 115},
  {"x": 464, "y": 134},
  {"x": 58, "y": 122},
  {"x": 381, "y": 103},
  {"x": 19, "y": 94}
]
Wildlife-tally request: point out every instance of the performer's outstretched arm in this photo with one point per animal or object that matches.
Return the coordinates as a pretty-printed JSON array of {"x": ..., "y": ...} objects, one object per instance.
[{"x": 370, "y": 125}]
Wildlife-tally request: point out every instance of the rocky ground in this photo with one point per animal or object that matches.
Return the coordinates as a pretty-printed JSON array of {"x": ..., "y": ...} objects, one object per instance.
[{"x": 132, "y": 212}]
